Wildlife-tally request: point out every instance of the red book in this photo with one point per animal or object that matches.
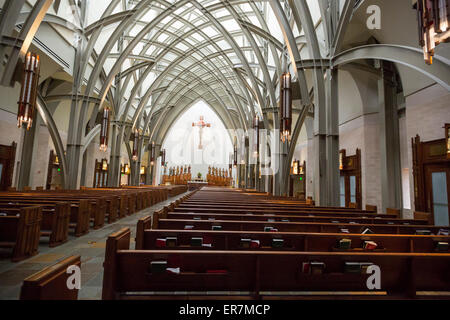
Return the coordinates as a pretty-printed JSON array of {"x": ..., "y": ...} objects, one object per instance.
[
  {"x": 160, "y": 243},
  {"x": 254, "y": 244}
]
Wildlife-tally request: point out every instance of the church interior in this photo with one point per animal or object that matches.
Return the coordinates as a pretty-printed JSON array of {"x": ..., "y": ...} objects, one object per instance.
[{"x": 224, "y": 150}]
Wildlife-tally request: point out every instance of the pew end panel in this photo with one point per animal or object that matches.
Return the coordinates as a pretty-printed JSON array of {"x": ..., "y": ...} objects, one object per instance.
[
  {"x": 117, "y": 241},
  {"x": 143, "y": 224},
  {"x": 424, "y": 216},
  {"x": 51, "y": 282}
]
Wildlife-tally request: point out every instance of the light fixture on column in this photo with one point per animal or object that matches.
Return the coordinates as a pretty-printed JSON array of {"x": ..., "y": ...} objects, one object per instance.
[
  {"x": 163, "y": 157},
  {"x": 433, "y": 23},
  {"x": 341, "y": 159},
  {"x": 235, "y": 153},
  {"x": 152, "y": 153},
  {"x": 104, "y": 130},
  {"x": 135, "y": 145},
  {"x": 285, "y": 107},
  {"x": 256, "y": 136},
  {"x": 295, "y": 167},
  {"x": 447, "y": 138},
  {"x": 28, "y": 92}
]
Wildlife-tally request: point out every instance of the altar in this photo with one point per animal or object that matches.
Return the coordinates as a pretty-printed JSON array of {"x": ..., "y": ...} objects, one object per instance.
[{"x": 196, "y": 184}]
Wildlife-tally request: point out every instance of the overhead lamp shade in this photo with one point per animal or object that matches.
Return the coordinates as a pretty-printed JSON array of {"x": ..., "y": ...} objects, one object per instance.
[
  {"x": 447, "y": 139},
  {"x": 433, "y": 25},
  {"x": 152, "y": 153},
  {"x": 104, "y": 130},
  {"x": 256, "y": 136},
  {"x": 135, "y": 145},
  {"x": 285, "y": 107},
  {"x": 235, "y": 154},
  {"x": 163, "y": 157},
  {"x": 28, "y": 92}
]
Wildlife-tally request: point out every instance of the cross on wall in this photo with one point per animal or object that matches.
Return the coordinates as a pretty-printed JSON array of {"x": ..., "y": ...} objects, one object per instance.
[{"x": 201, "y": 125}]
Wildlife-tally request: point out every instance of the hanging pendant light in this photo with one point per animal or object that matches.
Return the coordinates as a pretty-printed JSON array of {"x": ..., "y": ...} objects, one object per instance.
[
  {"x": 135, "y": 145},
  {"x": 433, "y": 25},
  {"x": 285, "y": 107},
  {"x": 163, "y": 157},
  {"x": 104, "y": 130},
  {"x": 152, "y": 153},
  {"x": 256, "y": 137},
  {"x": 235, "y": 153},
  {"x": 447, "y": 139},
  {"x": 28, "y": 92}
]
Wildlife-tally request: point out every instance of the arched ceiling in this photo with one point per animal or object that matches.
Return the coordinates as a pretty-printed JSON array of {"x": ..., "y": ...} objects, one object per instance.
[{"x": 170, "y": 53}]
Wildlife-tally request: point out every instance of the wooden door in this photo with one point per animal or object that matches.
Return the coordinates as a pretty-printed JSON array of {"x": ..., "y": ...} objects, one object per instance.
[{"x": 7, "y": 158}]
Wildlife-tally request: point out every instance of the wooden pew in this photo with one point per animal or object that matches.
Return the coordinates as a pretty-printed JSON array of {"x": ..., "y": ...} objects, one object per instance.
[
  {"x": 21, "y": 233},
  {"x": 80, "y": 210},
  {"x": 261, "y": 210},
  {"x": 51, "y": 282},
  {"x": 54, "y": 223},
  {"x": 314, "y": 227},
  {"x": 291, "y": 218},
  {"x": 264, "y": 274},
  {"x": 146, "y": 239}
]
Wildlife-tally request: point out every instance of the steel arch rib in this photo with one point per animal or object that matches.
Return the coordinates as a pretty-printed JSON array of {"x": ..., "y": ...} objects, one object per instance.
[{"x": 439, "y": 71}]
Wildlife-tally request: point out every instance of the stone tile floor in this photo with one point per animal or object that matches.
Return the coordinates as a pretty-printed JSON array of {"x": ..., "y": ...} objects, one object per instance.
[{"x": 91, "y": 248}]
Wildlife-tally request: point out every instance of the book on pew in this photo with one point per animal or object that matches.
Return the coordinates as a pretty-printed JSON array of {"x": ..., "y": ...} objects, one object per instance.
[
  {"x": 216, "y": 228},
  {"x": 390, "y": 222},
  {"x": 364, "y": 266},
  {"x": 188, "y": 227},
  {"x": 442, "y": 246},
  {"x": 345, "y": 243},
  {"x": 443, "y": 232},
  {"x": 352, "y": 267},
  {"x": 334, "y": 221},
  {"x": 2, "y": 214},
  {"x": 254, "y": 244},
  {"x": 367, "y": 231},
  {"x": 285, "y": 220},
  {"x": 356, "y": 267},
  {"x": 171, "y": 242},
  {"x": 313, "y": 267},
  {"x": 160, "y": 243},
  {"x": 277, "y": 243},
  {"x": 406, "y": 223},
  {"x": 207, "y": 241},
  {"x": 196, "y": 241},
  {"x": 211, "y": 219},
  {"x": 197, "y": 218},
  {"x": 305, "y": 267},
  {"x": 158, "y": 266},
  {"x": 370, "y": 245},
  {"x": 353, "y": 222},
  {"x": 345, "y": 230},
  {"x": 317, "y": 267},
  {"x": 423, "y": 232},
  {"x": 173, "y": 270},
  {"x": 268, "y": 229},
  {"x": 270, "y": 220},
  {"x": 245, "y": 243}
]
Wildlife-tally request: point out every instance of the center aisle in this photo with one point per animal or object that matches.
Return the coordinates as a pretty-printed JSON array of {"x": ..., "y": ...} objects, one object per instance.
[{"x": 91, "y": 248}]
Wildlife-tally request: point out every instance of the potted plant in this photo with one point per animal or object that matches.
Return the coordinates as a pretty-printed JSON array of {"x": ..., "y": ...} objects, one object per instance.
[{"x": 199, "y": 175}]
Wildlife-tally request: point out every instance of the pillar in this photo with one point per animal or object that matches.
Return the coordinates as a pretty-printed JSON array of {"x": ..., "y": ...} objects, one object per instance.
[{"x": 391, "y": 195}]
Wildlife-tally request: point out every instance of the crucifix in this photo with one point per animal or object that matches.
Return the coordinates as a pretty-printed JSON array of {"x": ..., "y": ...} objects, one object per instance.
[{"x": 201, "y": 124}]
